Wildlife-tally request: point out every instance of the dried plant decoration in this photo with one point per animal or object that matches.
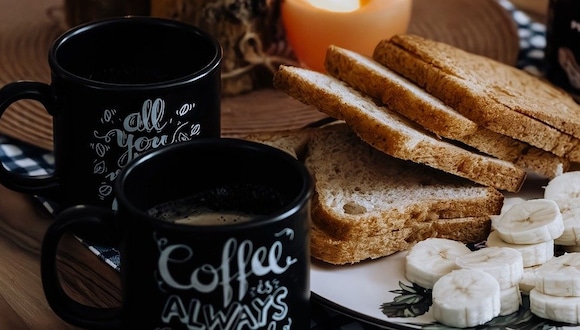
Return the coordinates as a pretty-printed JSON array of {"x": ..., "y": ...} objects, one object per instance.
[{"x": 249, "y": 31}]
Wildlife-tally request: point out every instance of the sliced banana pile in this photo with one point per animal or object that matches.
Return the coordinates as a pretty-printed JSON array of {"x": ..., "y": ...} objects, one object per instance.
[
  {"x": 466, "y": 287},
  {"x": 532, "y": 254},
  {"x": 570, "y": 238},
  {"x": 556, "y": 295},
  {"x": 565, "y": 191},
  {"x": 432, "y": 258},
  {"x": 505, "y": 265},
  {"x": 530, "y": 222},
  {"x": 530, "y": 227},
  {"x": 469, "y": 288},
  {"x": 519, "y": 257}
]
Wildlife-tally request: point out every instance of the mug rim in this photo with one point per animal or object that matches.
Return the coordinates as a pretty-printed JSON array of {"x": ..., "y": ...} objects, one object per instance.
[
  {"x": 302, "y": 197},
  {"x": 212, "y": 64}
]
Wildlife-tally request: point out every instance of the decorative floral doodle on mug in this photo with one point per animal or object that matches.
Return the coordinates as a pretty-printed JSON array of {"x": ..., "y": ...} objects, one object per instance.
[
  {"x": 127, "y": 137},
  {"x": 244, "y": 305}
]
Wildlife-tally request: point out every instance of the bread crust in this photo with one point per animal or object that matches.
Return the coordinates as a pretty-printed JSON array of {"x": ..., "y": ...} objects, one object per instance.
[
  {"x": 393, "y": 134},
  {"x": 377, "y": 233},
  {"x": 341, "y": 252},
  {"x": 496, "y": 96},
  {"x": 362, "y": 192},
  {"x": 373, "y": 79},
  {"x": 403, "y": 96}
]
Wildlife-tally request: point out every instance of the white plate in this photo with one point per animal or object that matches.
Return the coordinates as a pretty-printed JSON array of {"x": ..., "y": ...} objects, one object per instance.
[{"x": 361, "y": 289}]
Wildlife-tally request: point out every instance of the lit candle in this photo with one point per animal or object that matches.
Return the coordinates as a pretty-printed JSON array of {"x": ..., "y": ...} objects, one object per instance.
[{"x": 358, "y": 25}]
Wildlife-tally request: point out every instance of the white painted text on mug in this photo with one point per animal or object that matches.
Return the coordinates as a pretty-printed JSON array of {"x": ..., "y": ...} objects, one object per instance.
[
  {"x": 130, "y": 138},
  {"x": 267, "y": 306}
]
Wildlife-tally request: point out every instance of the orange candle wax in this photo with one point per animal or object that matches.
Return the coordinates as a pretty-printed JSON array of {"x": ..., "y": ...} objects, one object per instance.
[{"x": 358, "y": 25}]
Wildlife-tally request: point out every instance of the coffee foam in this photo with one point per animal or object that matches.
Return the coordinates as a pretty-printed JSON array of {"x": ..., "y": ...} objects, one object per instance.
[
  {"x": 195, "y": 215},
  {"x": 220, "y": 205}
]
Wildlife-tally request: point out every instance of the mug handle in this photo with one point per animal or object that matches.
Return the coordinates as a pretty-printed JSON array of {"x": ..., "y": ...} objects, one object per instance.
[
  {"x": 10, "y": 93},
  {"x": 68, "y": 309}
]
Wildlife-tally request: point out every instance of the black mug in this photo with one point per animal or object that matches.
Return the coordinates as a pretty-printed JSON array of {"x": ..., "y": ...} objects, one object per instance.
[
  {"x": 247, "y": 268},
  {"x": 119, "y": 87}
]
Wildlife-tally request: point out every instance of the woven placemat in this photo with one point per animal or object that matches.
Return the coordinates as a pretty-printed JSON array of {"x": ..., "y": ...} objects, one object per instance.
[
  {"x": 28, "y": 27},
  {"x": 482, "y": 27}
]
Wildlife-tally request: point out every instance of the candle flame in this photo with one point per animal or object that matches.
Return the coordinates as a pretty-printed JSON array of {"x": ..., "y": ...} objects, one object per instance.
[{"x": 341, "y": 6}]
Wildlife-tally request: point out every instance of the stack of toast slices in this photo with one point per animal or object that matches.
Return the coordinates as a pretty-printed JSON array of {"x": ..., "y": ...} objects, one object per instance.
[{"x": 427, "y": 138}]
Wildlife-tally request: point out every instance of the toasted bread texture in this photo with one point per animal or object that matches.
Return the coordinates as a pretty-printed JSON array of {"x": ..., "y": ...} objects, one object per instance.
[
  {"x": 340, "y": 252},
  {"x": 520, "y": 153},
  {"x": 392, "y": 133},
  {"x": 413, "y": 102},
  {"x": 497, "y": 96},
  {"x": 361, "y": 192},
  {"x": 373, "y": 79},
  {"x": 377, "y": 189}
]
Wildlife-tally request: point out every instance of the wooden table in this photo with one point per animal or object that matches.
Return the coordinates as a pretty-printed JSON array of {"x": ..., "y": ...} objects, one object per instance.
[{"x": 85, "y": 277}]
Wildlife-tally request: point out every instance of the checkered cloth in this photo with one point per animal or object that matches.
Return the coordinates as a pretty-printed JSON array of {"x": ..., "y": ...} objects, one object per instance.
[{"x": 27, "y": 159}]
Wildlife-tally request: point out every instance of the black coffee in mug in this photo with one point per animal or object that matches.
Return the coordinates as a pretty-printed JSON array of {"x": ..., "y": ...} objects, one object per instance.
[
  {"x": 252, "y": 273},
  {"x": 222, "y": 205},
  {"x": 119, "y": 87}
]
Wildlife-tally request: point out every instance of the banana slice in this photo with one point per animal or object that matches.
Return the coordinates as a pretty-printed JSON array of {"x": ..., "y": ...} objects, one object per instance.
[
  {"x": 466, "y": 298},
  {"x": 570, "y": 209},
  {"x": 560, "y": 276},
  {"x": 532, "y": 254},
  {"x": 510, "y": 300},
  {"x": 559, "y": 309},
  {"x": 432, "y": 258},
  {"x": 528, "y": 282},
  {"x": 530, "y": 222},
  {"x": 563, "y": 186},
  {"x": 504, "y": 264},
  {"x": 507, "y": 204}
]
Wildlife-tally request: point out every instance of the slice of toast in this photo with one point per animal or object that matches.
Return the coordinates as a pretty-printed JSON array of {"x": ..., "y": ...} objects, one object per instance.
[
  {"x": 520, "y": 153},
  {"x": 393, "y": 134},
  {"x": 374, "y": 79},
  {"x": 496, "y": 96},
  {"x": 339, "y": 252},
  {"x": 358, "y": 246},
  {"x": 413, "y": 102},
  {"x": 362, "y": 192}
]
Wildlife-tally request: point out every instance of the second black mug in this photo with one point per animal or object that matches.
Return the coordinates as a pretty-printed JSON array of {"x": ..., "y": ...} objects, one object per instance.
[{"x": 213, "y": 234}]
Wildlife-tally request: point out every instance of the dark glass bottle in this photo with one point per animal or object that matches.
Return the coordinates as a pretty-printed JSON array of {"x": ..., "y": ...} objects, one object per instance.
[{"x": 562, "y": 55}]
